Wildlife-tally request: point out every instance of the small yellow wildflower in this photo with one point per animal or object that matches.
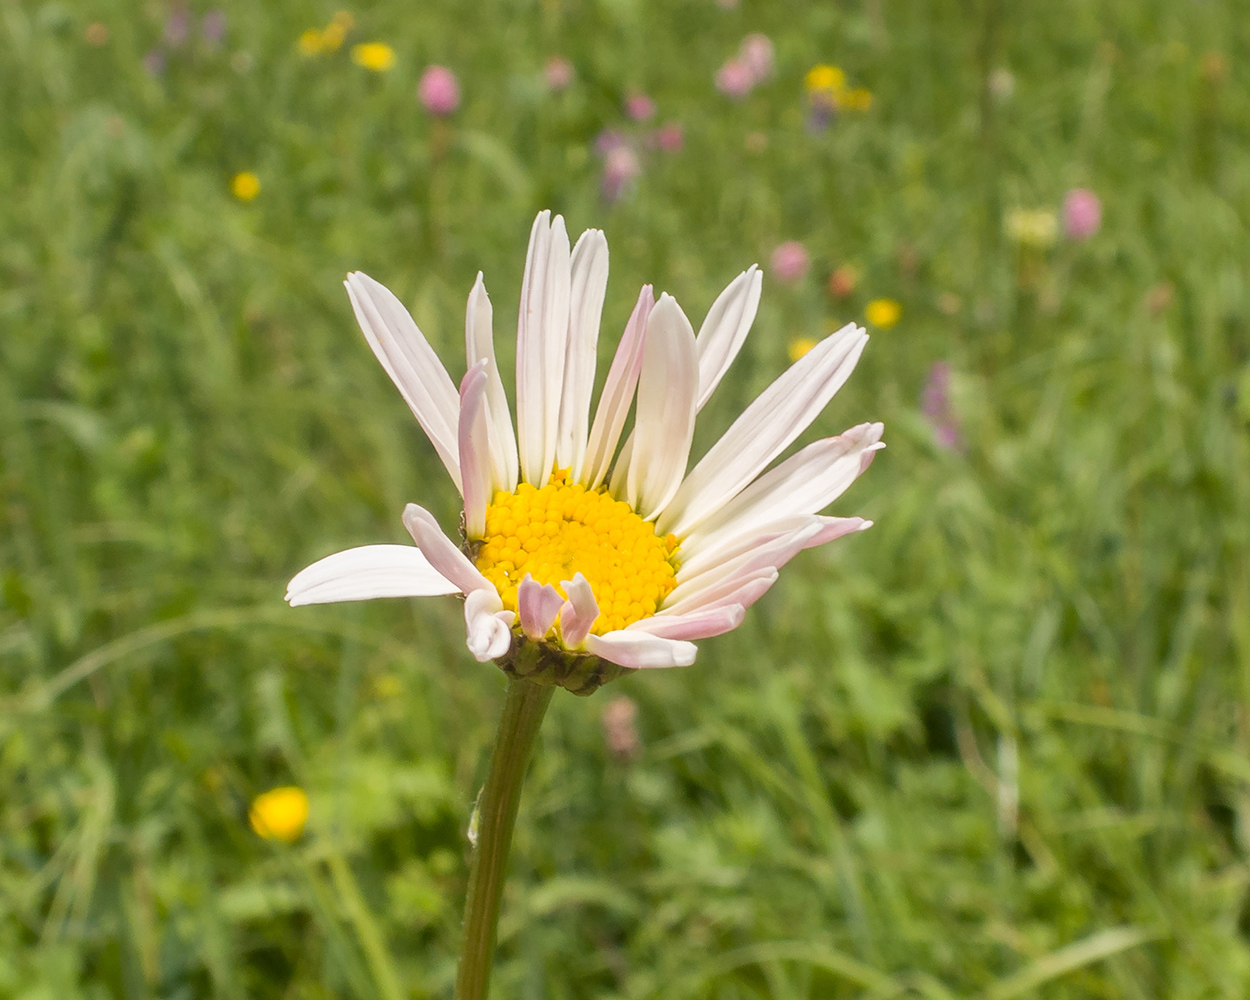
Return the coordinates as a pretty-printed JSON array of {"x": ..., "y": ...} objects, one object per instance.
[
  {"x": 245, "y": 186},
  {"x": 857, "y": 99},
  {"x": 825, "y": 80},
  {"x": 333, "y": 37},
  {"x": 310, "y": 42},
  {"x": 375, "y": 56},
  {"x": 800, "y": 346},
  {"x": 1032, "y": 228},
  {"x": 280, "y": 814},
  {"x": 883, "y": 313}
]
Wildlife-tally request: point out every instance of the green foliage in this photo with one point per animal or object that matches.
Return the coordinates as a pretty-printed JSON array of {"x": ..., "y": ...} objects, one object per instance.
[{"x": 998, "y": 746}]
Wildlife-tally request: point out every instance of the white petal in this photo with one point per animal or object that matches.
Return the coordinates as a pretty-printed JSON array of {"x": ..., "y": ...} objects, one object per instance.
[
  {"x": 699, "y": 625},
  {"x": 771, "y": 554},
  {"x": 487, "y": 626},
  {"x": 588, "y": 284},
  {"x": 664, "y": 423},
  {"x": 803, "y": 484},
  {"x": 411, "y": 363},
  {"x": 442, "y": 551},
  {"x": 717, "y": 550},
  {"x": 725, "y": 328},
  {"x": 640, "y": 651},
  {"x": 577, "y": 616},
  {"x": 479, "y": 342},
  {"x": 474, "y": 450},
  {"x": 542, "y": 339},
  {"x": 538, "y": 604},
  {"x": 364, "y": 573},
  {"x": 738, "y": 588},
  {"x": 618, "y": 393},
  {"x": 777, "y": 417}
]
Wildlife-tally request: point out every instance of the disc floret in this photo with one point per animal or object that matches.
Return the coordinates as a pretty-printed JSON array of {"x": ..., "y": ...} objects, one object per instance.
[{"x": 562, "y": 528}]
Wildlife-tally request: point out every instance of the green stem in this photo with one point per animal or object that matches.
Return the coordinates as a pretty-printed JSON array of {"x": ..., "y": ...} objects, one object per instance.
[{"x": 523, "y": 711}]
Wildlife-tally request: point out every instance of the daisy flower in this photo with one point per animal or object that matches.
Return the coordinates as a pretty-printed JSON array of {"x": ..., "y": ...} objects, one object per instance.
[{"x": 582, "y": 555}]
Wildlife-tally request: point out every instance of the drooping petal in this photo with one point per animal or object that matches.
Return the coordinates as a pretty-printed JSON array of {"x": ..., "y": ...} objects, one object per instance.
[
  {"x": 772, "y": 554},
  {"x": 363, "y": 573},
  {"x": 579, "y": 612},
  {"x": 664, "y": 422},
  {"x": 725, "y": 329},
  {"x": 538, "y": 604},
  {"x": 699, "y": 625},
  {"x": 588, "y": 284},
  {"x": 542, "y": 339},
  {"x": 712, "y": 552},
  {"x": 475, "y": 471},
  {"x": 479, "y": 345},
  {"x": 640, "y": 651},
  {"x": 488, "y": 632},
  {"x": 740, "y": 588},
  {"x": 618, "y": 393},
  {"x": 779, "y": 415},
  {"x": 411, "y": 362},
  {"x": 442, "y": 551},
  {"x": 803, "y": 484}
]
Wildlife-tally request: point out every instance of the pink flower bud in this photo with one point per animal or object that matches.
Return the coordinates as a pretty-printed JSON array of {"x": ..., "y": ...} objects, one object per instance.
[
  {"x": 639, "y": 108},
  {"x": 438, "y": 91},
  {"x": 1082, "y": 214},
  {"x": 734, "y": 79},
  {"x": 790, "y": 262},
  {"x": 669, "y": 137}
]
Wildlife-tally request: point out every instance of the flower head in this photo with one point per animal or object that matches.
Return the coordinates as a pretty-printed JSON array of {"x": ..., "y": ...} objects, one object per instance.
[
  {"x": 843, "y": 281},
  {"x": 245, "y": 186},
  {"x": 377, "y": 57},
  {"x": 883, "y": 313},
  {"x": 756, "y": 53},
  {"x": 213, "y": 27},
  {"x": 279, "y": 814},
  {"x": 439, "y": 91},
  {"x": 1032, "y": 228},
  {"x": 800, "y": 346},
  {"x": 669, "y": 137},
  {"x": 935, "y": 403},
  {"x": 583, "y": 556},
  {"x": 790, "y": 262},
  {"x": 621, "y": 168},
  {"x": 558, "y": 73},
  {"x": 824, "y": 84},
  {"x": 734, "y": 79},
  {"x": 1082, "y": 214},
  {"x": 639, "y": 108},
  {"x": 620, "y": 730}
]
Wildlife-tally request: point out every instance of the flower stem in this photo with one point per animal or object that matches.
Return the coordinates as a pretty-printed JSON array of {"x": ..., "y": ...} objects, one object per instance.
[{"x": 523, "y": 711}]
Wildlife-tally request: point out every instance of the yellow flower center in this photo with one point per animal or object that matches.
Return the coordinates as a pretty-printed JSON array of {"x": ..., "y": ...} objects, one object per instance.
[{"x": 564, "y": 528}]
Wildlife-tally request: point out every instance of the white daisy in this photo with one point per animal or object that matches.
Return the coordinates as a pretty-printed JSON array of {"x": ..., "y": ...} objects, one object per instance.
[{"x": 577, "y": 549}]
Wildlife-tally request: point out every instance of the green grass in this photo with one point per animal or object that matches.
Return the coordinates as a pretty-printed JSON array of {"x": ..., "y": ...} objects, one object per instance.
[{"x": 998, "y": 746}]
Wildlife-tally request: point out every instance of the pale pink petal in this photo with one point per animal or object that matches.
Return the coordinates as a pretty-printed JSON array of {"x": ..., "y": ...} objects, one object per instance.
[
  {"x": 588, "y": 284},
  {"x": 542, "y": 339},
  {"x": 664, "y": 422},
  {"x": 479, "y": 342},
  {"x": 487, "y": 626},
  {"x": 777, "y": 417},
  {"x": 803, "y": 484},
  {"x": 699, "y": 625},
  {"x": 725, "y": 329},
  {"x": 411, "y": 363},
  {"x": 639, "y": 651},
  {"x": 717, "y": 553},
  {"x": 442, "y": 551},
  {"x": 370, "y": 571},
  {"x": 772, "y": 554},
  {"x": 618, "y": 393},
  {"x": 474, "y": 450},
  {"x": 739, "y": 588},
  {"x": 577, "y": 616},
  {"x": 538, "y": 604}
]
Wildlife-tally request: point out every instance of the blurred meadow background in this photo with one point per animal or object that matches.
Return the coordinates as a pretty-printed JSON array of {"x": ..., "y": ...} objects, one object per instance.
[{"x": 996, "y": 747}]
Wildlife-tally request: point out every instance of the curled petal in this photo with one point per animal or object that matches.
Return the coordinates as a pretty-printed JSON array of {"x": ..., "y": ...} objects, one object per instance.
[
  {"x": 370, "y": 571},
  {"x": 698, "y": 625},
  {"x": 474, "y": 434},
  {"x": 487, "y": 625},
  {"x": 539, "y": 604},
  {"x": 579, "y": 612},
  {"x": 411, "y": 362},
  {"x": 779, "y": 415},
  {"x": 442, "y": 551},
  {"x": 745, "y": 588},
  {"x": 479, "y": 342},
  {"x": 639, "y": 651}
]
